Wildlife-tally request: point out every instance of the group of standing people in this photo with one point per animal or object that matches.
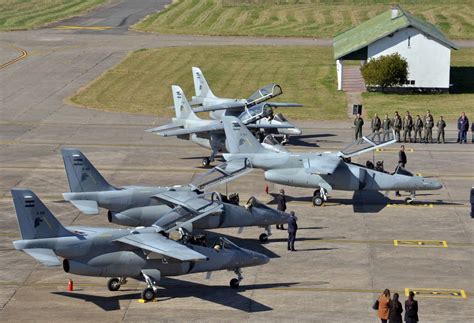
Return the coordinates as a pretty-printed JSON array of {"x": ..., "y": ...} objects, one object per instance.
[
  {"x": 420, "y": 127},
  {"x": 390, "y": 310}
]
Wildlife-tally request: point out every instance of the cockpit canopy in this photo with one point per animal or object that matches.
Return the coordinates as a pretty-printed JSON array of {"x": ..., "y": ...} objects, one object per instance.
[
  {"x": 367, "y": 143},
  {"x": 279, "y": 117},
  {"x": 265, "y": 93},
  {"x": 255, "y": 113},
  {"x": 270, "y": 140}
]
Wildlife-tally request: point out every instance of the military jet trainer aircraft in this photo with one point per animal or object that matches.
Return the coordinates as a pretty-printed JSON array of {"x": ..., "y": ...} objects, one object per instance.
[
  {"x": 209, "y": 133},
  {"x": 220, "y": 107},
  {"x": 178, "y": 207},
  {"x": 143, "y": 253},
  {"x": 323, "y": 171}
]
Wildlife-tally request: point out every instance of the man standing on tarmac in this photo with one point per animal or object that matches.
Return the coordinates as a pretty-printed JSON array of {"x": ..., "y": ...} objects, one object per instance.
[
  {"x": 375, "y": 124},
  {"x": 397, "y": 125},
  {"x": 463, "y": 127},
  {"x": 418, "y": 128},
  {"x": 407, "y": 127},
  {"x": 429, "y": 124},
  {"x": 402, "y": 161},
  {"x": 281, "y": 206},
  {"x": 358, "y": 123},
  {"x": 386, "y": 126},
  {"x": 292, "y": 228},
  {"x": 441, "y": 124}
]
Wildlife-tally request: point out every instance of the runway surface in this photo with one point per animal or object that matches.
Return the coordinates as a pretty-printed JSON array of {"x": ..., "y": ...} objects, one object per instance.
[{"x": 347, "y": 252}]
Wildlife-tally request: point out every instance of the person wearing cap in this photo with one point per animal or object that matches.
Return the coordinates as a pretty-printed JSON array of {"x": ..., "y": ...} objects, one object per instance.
[{"x": 292, "y": 228}]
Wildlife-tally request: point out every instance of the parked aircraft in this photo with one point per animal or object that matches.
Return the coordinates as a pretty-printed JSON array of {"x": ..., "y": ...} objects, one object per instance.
[
  {"x": 209, "y": 133},
  {"x": 323, "y": 171},
  {"x": 185, "y": 207},
  {"x": 142, "y": 253}
]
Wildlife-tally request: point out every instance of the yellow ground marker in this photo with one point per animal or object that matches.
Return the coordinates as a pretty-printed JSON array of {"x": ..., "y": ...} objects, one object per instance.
[
  {"x": 23, "y": 55},
  {"x": 83, "y": 27},
  {"x": 411, "y": 205},
  {"x": 437, "y": 292},
  {"x": 421, "y": 243},
  {"x": 141, "y": 300}
]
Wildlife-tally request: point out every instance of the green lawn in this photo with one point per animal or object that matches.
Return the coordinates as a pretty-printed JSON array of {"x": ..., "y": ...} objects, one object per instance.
[
  {"x": 142, "y": 82},
  {"x": 27, "y": 14},
  {"x": 307, "y": 18},
  {"x": 447, "y": 105}
]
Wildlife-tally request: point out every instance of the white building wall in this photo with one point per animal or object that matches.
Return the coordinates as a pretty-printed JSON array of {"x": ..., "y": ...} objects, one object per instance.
[{"x": 428, "y": 60}]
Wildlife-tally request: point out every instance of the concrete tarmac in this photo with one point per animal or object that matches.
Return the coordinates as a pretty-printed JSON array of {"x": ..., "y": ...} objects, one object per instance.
[{"x": 346, "y": 251}]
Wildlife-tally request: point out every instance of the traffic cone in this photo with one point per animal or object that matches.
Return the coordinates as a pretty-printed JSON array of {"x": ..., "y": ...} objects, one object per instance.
[{"x": 70, "y": 285}]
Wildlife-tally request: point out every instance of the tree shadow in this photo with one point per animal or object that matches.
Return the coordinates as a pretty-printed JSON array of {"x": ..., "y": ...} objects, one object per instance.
[{"x": 462, "y": 79}]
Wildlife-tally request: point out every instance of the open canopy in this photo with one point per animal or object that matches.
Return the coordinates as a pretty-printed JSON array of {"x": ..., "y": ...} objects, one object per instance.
[
  {"x": 265, "y": 93},
  {"x": 368, "y": 143}
]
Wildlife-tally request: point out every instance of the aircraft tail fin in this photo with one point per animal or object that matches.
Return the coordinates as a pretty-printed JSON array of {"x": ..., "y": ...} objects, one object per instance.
[
  {"x": 239, "y": 139},
  {"x": 34, "y": 218},
  {"x": 181, "y": 105},
  {"x": 81, "y": 174},
  {"x": 201, "y": 87}
]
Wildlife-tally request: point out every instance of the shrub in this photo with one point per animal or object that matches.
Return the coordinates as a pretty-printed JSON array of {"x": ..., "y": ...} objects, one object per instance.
[{"x": 385, "y": 71}]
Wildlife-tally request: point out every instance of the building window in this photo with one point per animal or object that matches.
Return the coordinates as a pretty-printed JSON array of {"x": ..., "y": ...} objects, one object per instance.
[
  {"x": 409, "y": 41},
  {"x": 412, "y": 82}
]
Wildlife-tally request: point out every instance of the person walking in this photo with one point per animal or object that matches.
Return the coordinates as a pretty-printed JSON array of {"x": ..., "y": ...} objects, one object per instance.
[
  {"x": 402, "y": 161},
  {"x": 463, "y": 127},
  {"x": 292, "y": 228},
  {"x": 397, "y": 125},
  {"x": 358, "y": 123},
  {"x": 441, "y": 124},
  {"x": 281, "y": 206},
  {"x": 411, "y": 309},
  {"x": 472, "y": 132},
  {"x": 384, "y": 306},
  {"x": 418, "y": 125},
  {"x": 407, "y": 127},
  {"x": 376, "y": 124},
  {"x": 386, "y": 126},
  {"x": 396, "y": 310},
  {"x": 428, "y": 123}
]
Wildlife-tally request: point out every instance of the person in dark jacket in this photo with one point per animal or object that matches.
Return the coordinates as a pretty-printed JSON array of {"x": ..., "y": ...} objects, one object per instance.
[
  {"x": 396, "y": 310},
  {"x": 397, "y": 125},
  {"x": 281, "y": 206},
  {"x": 386, "y": 126},
  {"x": 292, "y": 228},
  {"x": 441, "y": 124},
  {"x": 429, "y": 124},
  {"x": 463, "y": 127},
  {"x": 407, "y": 127},
  {"x": 418, "y": 125},
  {"x": 358, "y": 123},
  {"x": 472, "y": 132},
  {"x": 402, "y": 161},
  {"x": 411, "y": 309},
  {"x": 376, "y": 124}
]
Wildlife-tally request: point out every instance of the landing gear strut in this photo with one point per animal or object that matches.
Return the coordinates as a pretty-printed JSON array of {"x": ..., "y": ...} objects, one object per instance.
[
  {"x": 411, "y": 199},
  {"x": 149, "y": 293},
  {"x": 114, "y": 283},
  {"x": 319, "y": 197},
  {"x": 264, "y": 236},
  {"x": 235, "y": 282}
]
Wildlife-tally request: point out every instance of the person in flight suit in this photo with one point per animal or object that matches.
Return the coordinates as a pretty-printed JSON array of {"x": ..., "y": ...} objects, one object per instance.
[
  {"x": 402, "y": 161},
  {"x": 418, "y": 124},
  {"x": 376, "y": 123},
  {"x": 429, "y": 124},
  {"x": 441, "y": 124},
  {"x": 281, "y": 206},
  {"x": 292, "y": 228},
  {"x": 407, "y": 126},
  {"x": 358, "y": 123},
  {"x": 386, "y": 126},
  {"x": 397, "y": 125}
]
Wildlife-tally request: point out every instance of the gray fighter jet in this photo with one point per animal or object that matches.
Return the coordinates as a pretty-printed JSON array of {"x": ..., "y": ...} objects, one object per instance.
[
  {"x": 219, "y": 107},
  {"x": 143, "y": 253},
  {"x": 323, "y": 171},
  {"x": 210, "y": 133},
  {"x": 178, "y": 207}
]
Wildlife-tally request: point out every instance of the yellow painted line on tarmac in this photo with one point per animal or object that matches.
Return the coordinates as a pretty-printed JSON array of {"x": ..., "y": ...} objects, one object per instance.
[
  {"x": 437, "y": 292},
  {"x": 83, "y": 27},
  {"x": 421, "y": 243},
  {"x": 411, "y": 205},
  {"x": 379, "y": 150},
  {"x": 23, "y": 55}
]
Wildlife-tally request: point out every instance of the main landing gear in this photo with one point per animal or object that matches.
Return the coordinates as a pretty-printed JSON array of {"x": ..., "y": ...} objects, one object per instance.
[
  {"x": 149, "y": 293},
  {"x": 206, "y": 162},
  {"x": 319, "y": 197},
  {"x": 409, "y": 200},
  {"x": 114, "y": 283},
  {"x": 235, "y": 282},
  {"x": 264, "y": 236}
]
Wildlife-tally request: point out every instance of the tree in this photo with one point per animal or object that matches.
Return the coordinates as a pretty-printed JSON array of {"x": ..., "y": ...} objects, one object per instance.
[{"x": 385, "y": 71}]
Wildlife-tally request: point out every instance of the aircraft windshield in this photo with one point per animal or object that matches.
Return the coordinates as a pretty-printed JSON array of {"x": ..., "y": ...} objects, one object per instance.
[
  {"x": 367, "y": 143},
  {"x": 265, "y": 93},
  {"x": 279, "y": 117},
  {"x": 270, "y": 140},
  {"x": 224, "y": 243},
  {"x": 257, "y": 112}
]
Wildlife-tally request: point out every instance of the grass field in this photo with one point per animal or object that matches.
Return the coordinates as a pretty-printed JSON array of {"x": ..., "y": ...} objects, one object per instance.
[
  {"x": 27, "y": 14},
  {"x": 308, "y": 18},
  {"x": 447, "y": 105},
  {"x": 142, "y": 82}
]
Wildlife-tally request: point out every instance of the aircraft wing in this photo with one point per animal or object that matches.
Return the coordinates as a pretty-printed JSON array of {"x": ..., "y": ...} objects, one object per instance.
[
  {"x": 188, "y": 207},
  {"x": 221, "y": 106},
  {"x": 166, "y": 127},
  {"x": 157, "y": 243},
  {"x": 321, "y": 164},
  {"x": 213, "y": 128},
  {"x": 222, "y": 173},
  {"x": 368, "y": 143},
  {"x": 284, "y": 105}
]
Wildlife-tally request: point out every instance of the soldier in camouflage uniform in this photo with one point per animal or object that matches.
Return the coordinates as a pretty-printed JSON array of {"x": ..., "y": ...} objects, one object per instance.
[
  {"x": 358, "y": 123},
  {"x": 375, "y": 124},
  {"x": 441, "y": 124},
  {"x": 418, "y": 124},
  {"x": 429, "y": 124},
  {"x": 386, "y": 126},
  {"x": 407, "y": 126},
  {"x": 397, "y": 125}
]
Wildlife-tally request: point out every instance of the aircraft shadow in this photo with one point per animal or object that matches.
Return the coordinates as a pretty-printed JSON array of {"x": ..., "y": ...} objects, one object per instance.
[{"x": 107, "y": 303}]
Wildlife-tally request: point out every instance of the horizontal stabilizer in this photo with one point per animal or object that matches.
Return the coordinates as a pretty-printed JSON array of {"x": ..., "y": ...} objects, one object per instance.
[
  {"x": 284, "y": 105},
  {"x": 221, "y": 106},
  {"x": 88, "y": 207},
  {"x": 157, "y": 243},
  {"x": 170, "y": 126},
  {"x": 45, "y": 256}
]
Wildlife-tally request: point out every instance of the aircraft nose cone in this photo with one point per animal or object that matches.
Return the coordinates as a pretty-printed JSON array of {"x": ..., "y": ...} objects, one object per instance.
[
  {"x": 436, "y": 185},
  {"x": 295, "y": 131},
  {"x": 262, "y": 259}
]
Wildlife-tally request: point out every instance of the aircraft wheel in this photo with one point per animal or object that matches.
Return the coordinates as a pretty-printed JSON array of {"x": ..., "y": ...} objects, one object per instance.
[
  {"x": 234, "y": 283},
  {"x": 263, "y": 238},
  {"x": 113, "y": 284},
  {"x": 206, "y": 162},
  {"x": 408, "y": 200},
  {"x": 148, "y": 294},
  {"x": 318, "y": 201}
]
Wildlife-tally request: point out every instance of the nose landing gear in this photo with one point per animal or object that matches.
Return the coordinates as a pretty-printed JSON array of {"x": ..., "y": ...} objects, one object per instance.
[
  {"x": 235, "y": 282},
  {"x": 264, "y": 236}
]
